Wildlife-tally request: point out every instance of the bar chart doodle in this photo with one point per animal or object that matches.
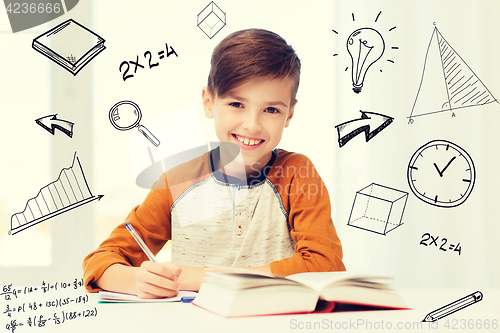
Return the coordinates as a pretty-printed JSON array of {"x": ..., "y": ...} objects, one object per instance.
[
  {"x": 460, "y": 87},
  {"x": 68, "y": 191}
]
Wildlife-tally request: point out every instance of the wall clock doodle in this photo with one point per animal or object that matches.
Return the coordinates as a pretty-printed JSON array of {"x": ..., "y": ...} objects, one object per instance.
[{"x": 441, "y": 173}]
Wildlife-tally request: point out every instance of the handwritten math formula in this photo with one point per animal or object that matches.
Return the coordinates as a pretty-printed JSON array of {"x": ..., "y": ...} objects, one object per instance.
[
  {"x": 442, "y": 245},
  {"x": 130, "y": 67},
  {"x": 45, "y": 305}
]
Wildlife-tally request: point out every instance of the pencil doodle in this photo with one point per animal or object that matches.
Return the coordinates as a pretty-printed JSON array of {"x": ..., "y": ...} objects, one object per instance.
[
  {"x": 378, "y": 209},
  {"x": 454, "y": 307},
  {"x": 211, "y": 19},
  {"x": 50, "y": 123},
  {"x": 68, "y": 191},
  {"x": 365, "y": 46},
  {"x": 457, "y": 85},
  {"x": 127, "y": 65},
  {"x": 370, "y": 123},
  {"x": 70, "y": 45},
  {"x": 441, "y": 173},
  {"x": 125, "y": 115},
  {"x": 24, "y": 15},
  {"x": 442, "y": 247}
]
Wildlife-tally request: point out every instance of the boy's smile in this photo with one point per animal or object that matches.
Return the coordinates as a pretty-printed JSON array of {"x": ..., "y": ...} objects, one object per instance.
[
  {"x": 248, "y": 142},
  {"x": 252, "y": 116}
]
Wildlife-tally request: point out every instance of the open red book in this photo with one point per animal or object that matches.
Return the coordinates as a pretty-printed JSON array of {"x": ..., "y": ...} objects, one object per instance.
[{"x": 233, "y": 293}]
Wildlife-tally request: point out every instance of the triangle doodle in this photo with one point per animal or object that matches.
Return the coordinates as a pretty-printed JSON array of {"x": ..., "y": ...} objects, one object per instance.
[{"x": 461, "y": 87}]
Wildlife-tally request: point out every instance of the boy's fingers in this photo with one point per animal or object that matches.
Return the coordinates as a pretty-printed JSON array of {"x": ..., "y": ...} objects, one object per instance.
[
  {"x": 155, "y": 279},
  {"x": 165, "y": 269},
  {"x": 150, "y": 291},
  {"x": 150, "y": 285}
]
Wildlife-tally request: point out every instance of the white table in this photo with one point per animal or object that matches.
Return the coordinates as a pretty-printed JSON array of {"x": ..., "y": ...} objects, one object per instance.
[{"x": 183, "y": 317}]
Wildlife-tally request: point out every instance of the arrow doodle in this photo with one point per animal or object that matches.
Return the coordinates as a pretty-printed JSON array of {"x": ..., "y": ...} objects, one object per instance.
[
  {"x": 51, "y": 123},
  {"x": 368, "y": 120}
]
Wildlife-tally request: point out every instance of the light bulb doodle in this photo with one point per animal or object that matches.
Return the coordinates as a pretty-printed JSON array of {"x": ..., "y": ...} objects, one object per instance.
[{"x": 365, "y": 46}]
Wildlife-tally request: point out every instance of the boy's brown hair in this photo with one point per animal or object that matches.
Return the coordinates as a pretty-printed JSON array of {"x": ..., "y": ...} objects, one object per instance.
[{"x": 248, "y": 54}]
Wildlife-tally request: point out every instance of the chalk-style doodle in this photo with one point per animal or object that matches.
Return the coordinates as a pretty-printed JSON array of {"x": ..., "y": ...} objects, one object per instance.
[
  {"x": 365, "y": 46},
  {"x": 127, "y": 65},
  {"x": 10, "y": 292},
  {"x": 442, "y": 245},
  {"x": 48, "y": 304},
  {"x": 70, "y": 45},
  {"x": 24, "y": 15},
  {"x": 378, "y": 209},
  {"x": 454, "y": 307},
  {"x": 441, "y": 173},
  {"x": 50, "y": 123},
  {"x": 447, "y": 82},
  {"x": 125, "y": 115},
  {"x": 211, "y": 19},
  {"x": 370, "y": 123},
  {"x": 68, "y": 191}
]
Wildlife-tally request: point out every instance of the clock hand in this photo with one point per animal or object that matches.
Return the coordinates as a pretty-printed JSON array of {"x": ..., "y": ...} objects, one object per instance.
[
  {"x": 440, "y": 173},
  {"x": 447, "y": 165}
]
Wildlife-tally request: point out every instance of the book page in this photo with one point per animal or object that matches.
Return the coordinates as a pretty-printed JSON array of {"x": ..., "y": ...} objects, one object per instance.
[{"x": 321, "y": 280}]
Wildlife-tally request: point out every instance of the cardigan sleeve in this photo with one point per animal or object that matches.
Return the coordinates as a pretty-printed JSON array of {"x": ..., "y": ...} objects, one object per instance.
[
  {"x": 305, "y": 197},
  {"x": 151, "y": 220}
]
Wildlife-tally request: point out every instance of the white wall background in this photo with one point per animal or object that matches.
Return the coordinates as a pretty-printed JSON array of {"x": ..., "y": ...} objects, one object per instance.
[{"x": 131, "y": 28}]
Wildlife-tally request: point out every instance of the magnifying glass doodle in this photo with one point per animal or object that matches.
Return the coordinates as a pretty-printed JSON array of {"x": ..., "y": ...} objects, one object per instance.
[{"x": 125, "y": 115}]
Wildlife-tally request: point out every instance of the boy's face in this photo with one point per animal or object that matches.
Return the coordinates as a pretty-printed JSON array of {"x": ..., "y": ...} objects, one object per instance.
[{"x": 252, "y": 116}]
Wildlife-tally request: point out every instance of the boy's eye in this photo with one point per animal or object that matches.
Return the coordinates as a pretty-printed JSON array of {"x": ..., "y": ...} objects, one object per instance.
[
  {"x": 272, "y": 110},
  {"x": 236, "y": 104}
]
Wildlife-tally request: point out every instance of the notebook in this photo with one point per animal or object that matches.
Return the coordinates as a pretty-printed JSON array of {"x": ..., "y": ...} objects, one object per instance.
[{"x": 70, "y": 45}]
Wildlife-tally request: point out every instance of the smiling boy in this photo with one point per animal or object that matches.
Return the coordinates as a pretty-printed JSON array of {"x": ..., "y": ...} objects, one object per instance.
[
  {"x": 265, "y": 208},
  {"x": 253, "y": 116}
]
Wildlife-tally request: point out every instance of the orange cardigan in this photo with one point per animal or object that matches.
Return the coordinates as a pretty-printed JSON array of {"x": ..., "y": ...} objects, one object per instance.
[{"x": 289, "y": 219}]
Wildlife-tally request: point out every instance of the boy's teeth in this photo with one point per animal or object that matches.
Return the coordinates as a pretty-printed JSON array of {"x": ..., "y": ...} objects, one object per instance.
[{"x": 250, "y": 142}]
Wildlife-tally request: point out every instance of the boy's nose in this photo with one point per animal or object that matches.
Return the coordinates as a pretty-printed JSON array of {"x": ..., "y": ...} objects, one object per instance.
[{"x": 252, "y": 122}]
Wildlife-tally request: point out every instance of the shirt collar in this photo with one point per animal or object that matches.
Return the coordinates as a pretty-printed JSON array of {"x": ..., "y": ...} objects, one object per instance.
[{"x": 259, "y": 177}]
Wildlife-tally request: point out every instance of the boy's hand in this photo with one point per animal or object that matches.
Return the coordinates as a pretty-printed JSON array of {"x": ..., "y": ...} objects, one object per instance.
[
  {"x": 155, "y": 280},
  {"x": 191, "y": 278}
]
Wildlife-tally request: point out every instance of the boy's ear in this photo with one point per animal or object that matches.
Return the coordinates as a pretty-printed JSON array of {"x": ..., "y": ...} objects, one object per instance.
[
  {"x": 290, "y": 114},
  {"x": 206, "y": 98}
]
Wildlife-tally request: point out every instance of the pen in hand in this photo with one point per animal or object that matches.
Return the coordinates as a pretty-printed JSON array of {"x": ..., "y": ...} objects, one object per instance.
[{"x": 141, "y": 243}]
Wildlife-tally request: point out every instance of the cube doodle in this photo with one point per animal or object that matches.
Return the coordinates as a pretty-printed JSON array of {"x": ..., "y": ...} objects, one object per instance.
[
  {"x": 378, "y": 209},
  {"x": 211, "y": 20}
]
